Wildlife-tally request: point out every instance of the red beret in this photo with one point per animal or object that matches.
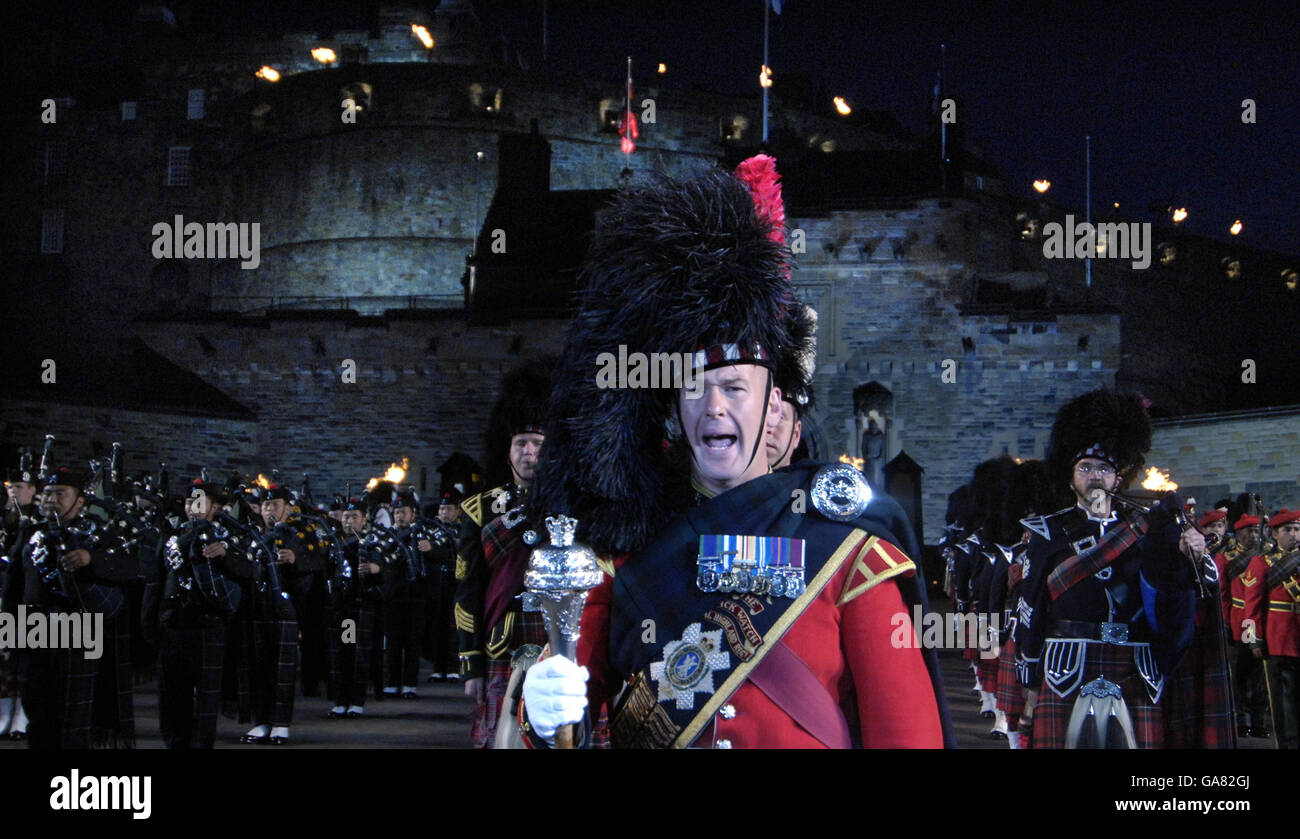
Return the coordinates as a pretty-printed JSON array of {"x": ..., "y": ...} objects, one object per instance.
[
  {"x": 1283, "y": 516},
  {"x": 1211, "y": 516},
  {"x": 1246, "y": 521}
]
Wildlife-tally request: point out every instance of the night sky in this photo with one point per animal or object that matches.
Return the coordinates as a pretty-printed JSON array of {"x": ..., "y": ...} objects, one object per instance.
[{"x": 1159, "y": 90}]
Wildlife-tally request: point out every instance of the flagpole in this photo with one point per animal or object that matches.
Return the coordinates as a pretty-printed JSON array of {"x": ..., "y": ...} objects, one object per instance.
[
  {"x": 1087, "y": 201},
  {"x": 766, "y": 14},
  {"x": 627, "y": 117},
  {"x": 943, "y": 125}
]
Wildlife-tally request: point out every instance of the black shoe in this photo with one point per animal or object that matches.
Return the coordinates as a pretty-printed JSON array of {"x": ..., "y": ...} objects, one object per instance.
[
  {"x": 1260, "y": 733},
  {"x": 354, "y": 715},
  {"x": 18, "y": 735},
  {"x": 1244, "y": 730},
  {"x": 336, "y": 715},
  {"x": 254, "y": 739},
  {"x": 277, "y": 741}
]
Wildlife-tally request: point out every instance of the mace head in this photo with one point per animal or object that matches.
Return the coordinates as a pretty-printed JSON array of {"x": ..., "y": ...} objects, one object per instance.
[{"x": 562, "y": 566}]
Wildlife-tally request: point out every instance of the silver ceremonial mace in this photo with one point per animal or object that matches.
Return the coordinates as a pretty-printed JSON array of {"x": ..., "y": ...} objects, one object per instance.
[{"x": 560, "y": 575}]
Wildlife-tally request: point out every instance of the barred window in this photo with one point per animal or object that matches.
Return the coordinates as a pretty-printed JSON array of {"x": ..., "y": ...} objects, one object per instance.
[
  {"x": 52, "y": 231},
  {"x": 195, "y": 108},
  {"x": 179, "y": 172},
  {"x": 56, "y": 160}
]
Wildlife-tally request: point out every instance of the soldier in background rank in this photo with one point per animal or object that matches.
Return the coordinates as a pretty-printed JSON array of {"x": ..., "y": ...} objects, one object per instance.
[
  {"x": 491, "y": 620},
  {"x": 1273, "y": 610}
]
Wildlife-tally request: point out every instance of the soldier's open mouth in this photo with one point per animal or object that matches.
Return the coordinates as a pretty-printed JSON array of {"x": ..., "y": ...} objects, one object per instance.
[{"x": 719, "y": 441}]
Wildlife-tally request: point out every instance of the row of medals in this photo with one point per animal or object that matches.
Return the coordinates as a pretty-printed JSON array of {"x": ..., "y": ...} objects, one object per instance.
[{"x": 777, "y": 582}]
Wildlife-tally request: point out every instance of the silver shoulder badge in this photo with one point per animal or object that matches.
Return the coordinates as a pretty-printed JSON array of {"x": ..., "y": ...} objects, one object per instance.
[
  {"x": 1037, "y": 524},
  {"x": 840, "y": 492}
]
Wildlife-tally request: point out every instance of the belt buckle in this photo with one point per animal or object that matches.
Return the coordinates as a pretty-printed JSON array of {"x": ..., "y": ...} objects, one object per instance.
[{"x": 1114, "y": 633}]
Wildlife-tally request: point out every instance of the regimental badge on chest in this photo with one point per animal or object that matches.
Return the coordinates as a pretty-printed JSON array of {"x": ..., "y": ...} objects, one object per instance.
[{"x": 688, "y": 665}]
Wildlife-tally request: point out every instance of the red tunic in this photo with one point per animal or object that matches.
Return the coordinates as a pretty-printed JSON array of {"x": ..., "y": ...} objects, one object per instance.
[
  {"x": 856, "y": 638},
  {"x": 1273, "y": 612},
  {"x": 1233, "y": 594}
]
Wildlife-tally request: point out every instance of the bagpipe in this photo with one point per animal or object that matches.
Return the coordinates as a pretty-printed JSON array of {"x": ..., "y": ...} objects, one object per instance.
[
  {"x": 260, "y": 545},
  {"x": 1203, "y": 568},
  {"x": 179, "y": 554}
]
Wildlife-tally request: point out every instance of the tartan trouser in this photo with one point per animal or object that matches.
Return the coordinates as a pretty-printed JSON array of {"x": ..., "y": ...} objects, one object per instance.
[
  {"x": 190, "y": 664},
  {"x": 404, "y": 633},
  {"x": 350, "y": 661},
  {"x": 58, "y": 689},
  {"x": 274, "y": 671}
]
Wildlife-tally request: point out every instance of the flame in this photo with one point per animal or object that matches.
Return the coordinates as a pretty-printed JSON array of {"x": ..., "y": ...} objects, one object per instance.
[
  {"x": 663, "y": 68},
  {"x": 263, "y": 481},
  {"x": 423, "y": 34},
  {"x": 1042, "y": 186},
  {"x": 269, "y": 73},
  {"x": 1158, "y": 481},
  {"x": 1180, "y": 214},
  {"x": 1236, "y": 227},
  {"x": 842, "y": 106},
  {"x": 324, "y": 55},
  {"x": 395, "y": 474},
  {"x": 855, "y": 462},
  {"x": 765, "y": 76}
]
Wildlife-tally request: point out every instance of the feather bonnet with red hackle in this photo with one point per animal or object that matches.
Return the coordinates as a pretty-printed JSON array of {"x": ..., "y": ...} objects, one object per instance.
[{"x": 676, "y": 265}]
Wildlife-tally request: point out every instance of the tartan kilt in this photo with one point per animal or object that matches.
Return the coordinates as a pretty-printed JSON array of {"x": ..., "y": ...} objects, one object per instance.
[
  {"x": 1010, "y": 694},
  {"x": 1115, "y": 663},
  {"x": 529, "y": 629},
  {"x": 987, "y": 670}
]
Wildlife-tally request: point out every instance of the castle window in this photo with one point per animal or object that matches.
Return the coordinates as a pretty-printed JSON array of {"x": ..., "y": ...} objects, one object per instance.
[
  {"x": 179, "y": 170},
  {"x": 611, "y": 111},
  {"x": 732, "y": 129},
  {"x": 52, "y": 231},
  {"x": 128, "y": 111},
  {"x": 56, "y": 160},
  {"x": 361, "y": 94},
  {"x": 194, "y": 107}
]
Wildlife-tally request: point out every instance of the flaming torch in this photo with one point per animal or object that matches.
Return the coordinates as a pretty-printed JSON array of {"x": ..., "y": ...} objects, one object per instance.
[
  {"x": 560, "y": 575},
  {"x": 855, "y": 462},
  {"x": 395, "y": 475},
  {"x": 1157, "y": 481}
]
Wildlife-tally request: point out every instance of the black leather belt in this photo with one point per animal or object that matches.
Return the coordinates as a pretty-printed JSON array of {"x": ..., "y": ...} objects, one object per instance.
[{"x": 1110, "y": 633}]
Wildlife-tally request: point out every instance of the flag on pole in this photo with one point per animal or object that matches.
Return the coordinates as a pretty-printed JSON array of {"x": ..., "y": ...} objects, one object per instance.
[
  {"x": 776, "y": 5},
  {"x": 627, "y": 127}
]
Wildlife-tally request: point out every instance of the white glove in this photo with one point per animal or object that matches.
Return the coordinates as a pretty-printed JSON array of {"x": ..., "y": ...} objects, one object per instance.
[{"x": 555, "y": 694}]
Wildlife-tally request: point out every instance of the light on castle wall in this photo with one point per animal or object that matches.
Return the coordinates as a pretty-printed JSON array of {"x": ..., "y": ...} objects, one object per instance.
[
  {"x": 268, "y": 73},
  {"x": 324, "y": 55},
  {"x": 423, "y": 34},
  {"x": 1042, "y": 186},
  {"x": 842, "y": 106}
]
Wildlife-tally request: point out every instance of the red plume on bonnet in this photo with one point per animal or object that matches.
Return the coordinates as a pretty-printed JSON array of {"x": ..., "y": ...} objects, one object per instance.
[{"x": 760, "y": 175}]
